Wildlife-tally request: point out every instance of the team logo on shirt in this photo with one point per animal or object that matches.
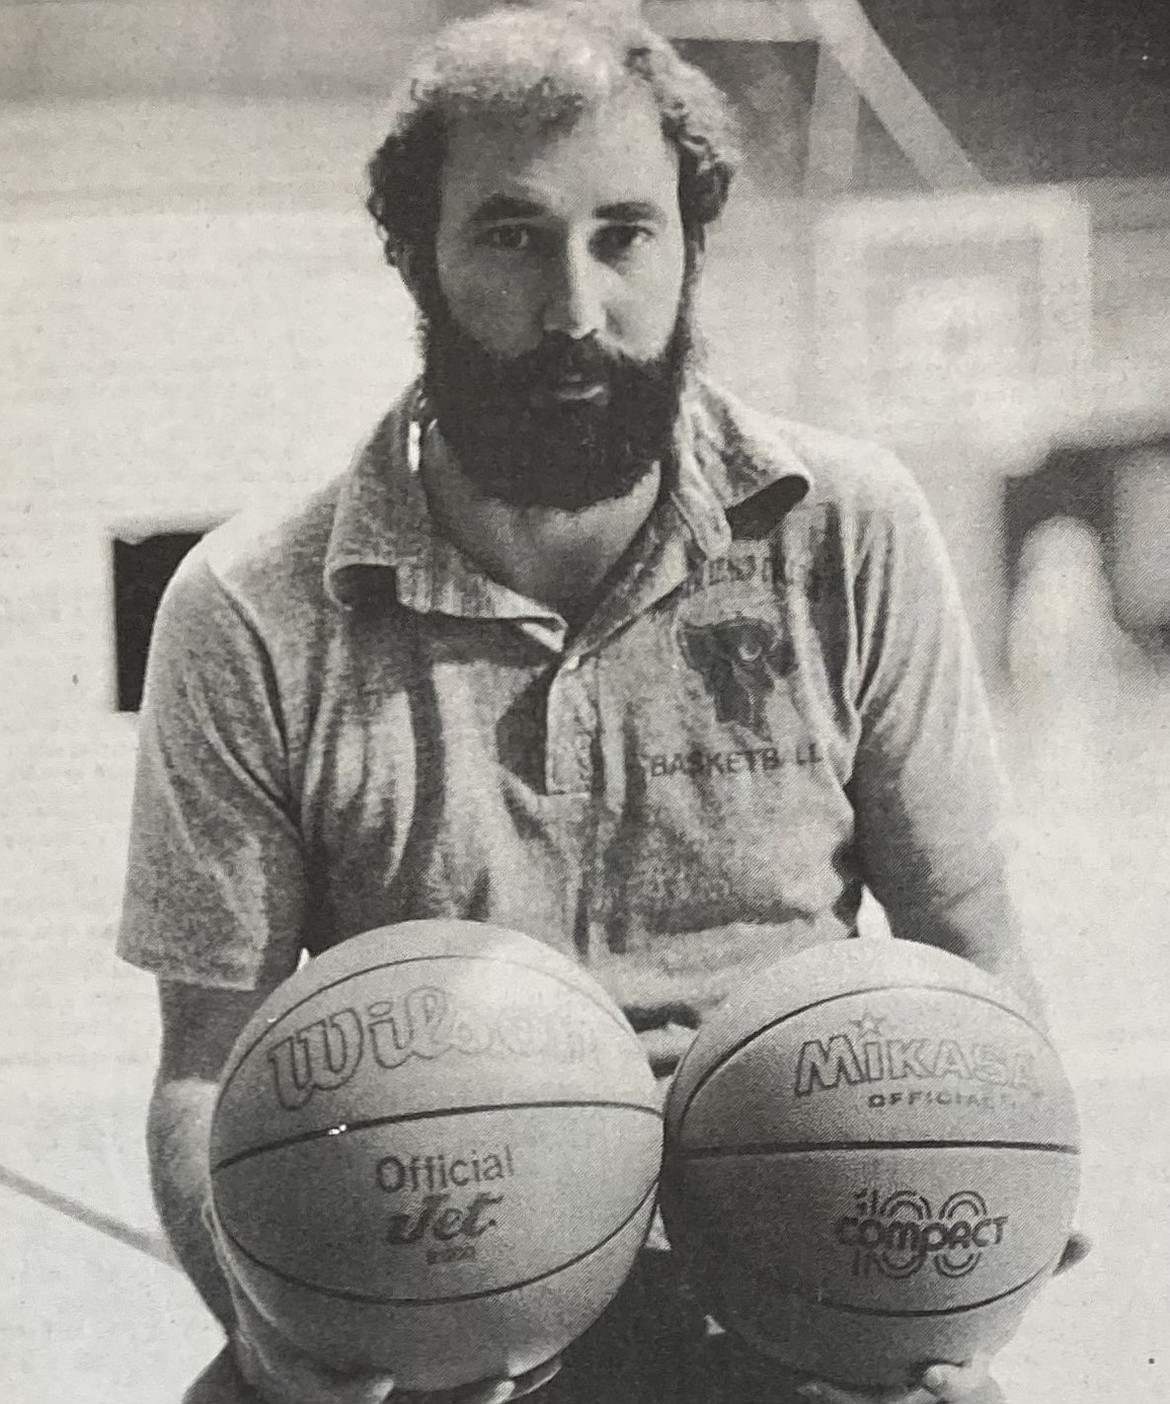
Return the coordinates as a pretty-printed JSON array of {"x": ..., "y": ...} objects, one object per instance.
[{"x": 740, "y": 661}]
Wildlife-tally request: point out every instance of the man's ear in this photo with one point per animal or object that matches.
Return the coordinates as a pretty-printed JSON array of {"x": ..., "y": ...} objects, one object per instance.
[
  {"x": 696, "y": 245},
  {"x": 407, "y": 262}
]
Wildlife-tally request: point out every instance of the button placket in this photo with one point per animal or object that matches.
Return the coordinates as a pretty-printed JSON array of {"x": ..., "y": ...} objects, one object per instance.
[{"x": 571, "y": 724}]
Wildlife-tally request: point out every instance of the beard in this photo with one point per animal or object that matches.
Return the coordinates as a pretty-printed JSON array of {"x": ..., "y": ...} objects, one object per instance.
[{"x": 516, "y": 441}]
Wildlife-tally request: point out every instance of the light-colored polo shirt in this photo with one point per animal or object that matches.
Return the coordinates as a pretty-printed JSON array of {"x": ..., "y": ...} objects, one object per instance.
[{"x": 347, "y": 724}]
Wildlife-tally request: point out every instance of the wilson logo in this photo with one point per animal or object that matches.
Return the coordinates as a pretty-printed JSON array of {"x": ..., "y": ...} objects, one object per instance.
[
  {"x": 426, "y": 1023},
  {"x": 898, "y": 1235}
]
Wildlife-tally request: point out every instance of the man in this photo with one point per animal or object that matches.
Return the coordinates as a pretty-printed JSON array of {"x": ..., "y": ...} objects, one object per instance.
[{"x": 579, "y": 646}]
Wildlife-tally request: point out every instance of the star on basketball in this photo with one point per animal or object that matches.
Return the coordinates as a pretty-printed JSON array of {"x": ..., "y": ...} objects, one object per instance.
[{"x": 869, "y": 1025}]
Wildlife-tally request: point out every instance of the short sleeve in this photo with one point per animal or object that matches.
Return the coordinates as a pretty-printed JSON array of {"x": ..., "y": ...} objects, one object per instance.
[
  {"x": 215, "y": 885},
  {"x": 927, "y": 789}
]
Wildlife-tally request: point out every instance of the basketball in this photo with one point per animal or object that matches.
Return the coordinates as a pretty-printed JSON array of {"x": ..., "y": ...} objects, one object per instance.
[
  {"x": 871, "y": 1161},
  {"x": 435, "y": 1152}
]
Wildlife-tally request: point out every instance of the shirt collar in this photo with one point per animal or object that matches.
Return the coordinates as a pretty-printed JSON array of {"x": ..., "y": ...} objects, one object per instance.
[
  {"x": 381, "y": 520},
  {"x": 725, "y": 454}
]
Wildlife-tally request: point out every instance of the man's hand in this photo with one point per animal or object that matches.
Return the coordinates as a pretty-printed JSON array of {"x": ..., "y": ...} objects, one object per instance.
[
  {"x": 281, "y": 1373},
  {"x": 952, "y": 1384},
  {"x": 488, "y": 1391},
  {"x": 1076, "y": 1250}
]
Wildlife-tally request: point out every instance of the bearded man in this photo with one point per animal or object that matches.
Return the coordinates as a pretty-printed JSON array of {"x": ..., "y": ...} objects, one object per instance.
[{"x": 579, "y": 646}]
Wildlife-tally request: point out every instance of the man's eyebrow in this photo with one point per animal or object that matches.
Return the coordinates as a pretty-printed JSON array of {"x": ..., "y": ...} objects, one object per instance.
[
  {"x": 505, "y": 207},
  {"x": 516, "y": 207},
  {"x": 633, "y": 212}
]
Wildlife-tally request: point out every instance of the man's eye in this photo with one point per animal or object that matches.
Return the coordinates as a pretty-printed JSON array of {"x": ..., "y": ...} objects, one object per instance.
[
  {"x": 618, "y": 241},
  {"x": 514, "y": 238}
]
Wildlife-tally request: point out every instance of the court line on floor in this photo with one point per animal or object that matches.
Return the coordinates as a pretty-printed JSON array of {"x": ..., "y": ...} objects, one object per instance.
[{"x": 152, "y": 1245}]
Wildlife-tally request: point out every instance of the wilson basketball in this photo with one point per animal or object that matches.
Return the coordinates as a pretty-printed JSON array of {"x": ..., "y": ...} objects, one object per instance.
[
  {"x": 435, "y": 1152},
  {"x": 871, "y": 1161}
]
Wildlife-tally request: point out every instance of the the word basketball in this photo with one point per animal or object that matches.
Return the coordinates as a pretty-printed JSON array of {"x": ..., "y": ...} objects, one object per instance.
[
  {"x": 871, "y": 1161},
  {"x": 435, "y": 1151}
]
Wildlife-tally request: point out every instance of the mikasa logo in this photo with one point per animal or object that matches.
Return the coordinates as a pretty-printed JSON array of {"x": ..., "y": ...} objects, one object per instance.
[
  {"x": 426, "y": 1022},
  {"x": 864, "y": 1054}
]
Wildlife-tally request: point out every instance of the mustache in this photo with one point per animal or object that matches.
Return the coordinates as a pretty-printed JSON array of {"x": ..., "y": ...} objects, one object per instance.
[
  {"x": 583, "y": 356},
  {"x": 560, "y": 357}
]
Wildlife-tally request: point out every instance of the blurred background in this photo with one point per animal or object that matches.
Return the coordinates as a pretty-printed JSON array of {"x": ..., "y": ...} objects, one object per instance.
[{"x": 951, "y": 236}]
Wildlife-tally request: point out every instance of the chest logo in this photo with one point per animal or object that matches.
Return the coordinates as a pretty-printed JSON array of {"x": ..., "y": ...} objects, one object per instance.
[{"x": 740, "y": 661}]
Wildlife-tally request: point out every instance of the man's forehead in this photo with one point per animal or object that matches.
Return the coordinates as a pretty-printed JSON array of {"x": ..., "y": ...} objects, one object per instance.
[{"x": 608, "y": 155}]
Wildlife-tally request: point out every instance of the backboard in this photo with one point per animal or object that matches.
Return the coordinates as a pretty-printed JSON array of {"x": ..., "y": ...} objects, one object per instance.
[{"x": 968, "y": 312}]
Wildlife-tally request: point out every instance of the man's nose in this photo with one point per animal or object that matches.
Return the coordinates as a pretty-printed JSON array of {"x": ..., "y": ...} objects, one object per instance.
[{"x": 575, "y": 304}]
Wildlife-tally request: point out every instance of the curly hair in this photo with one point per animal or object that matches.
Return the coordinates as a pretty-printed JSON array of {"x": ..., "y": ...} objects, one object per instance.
[{"x": 547, "y": 67}]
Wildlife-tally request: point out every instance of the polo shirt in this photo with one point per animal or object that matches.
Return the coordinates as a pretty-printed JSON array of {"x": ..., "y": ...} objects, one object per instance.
[{"x": 347, "y": 724}]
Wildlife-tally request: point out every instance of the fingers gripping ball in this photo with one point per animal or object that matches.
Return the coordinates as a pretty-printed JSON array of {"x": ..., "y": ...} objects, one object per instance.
[
  {"x": 435, "y": 1151},
  {"x": 871, "y": 1161}
]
